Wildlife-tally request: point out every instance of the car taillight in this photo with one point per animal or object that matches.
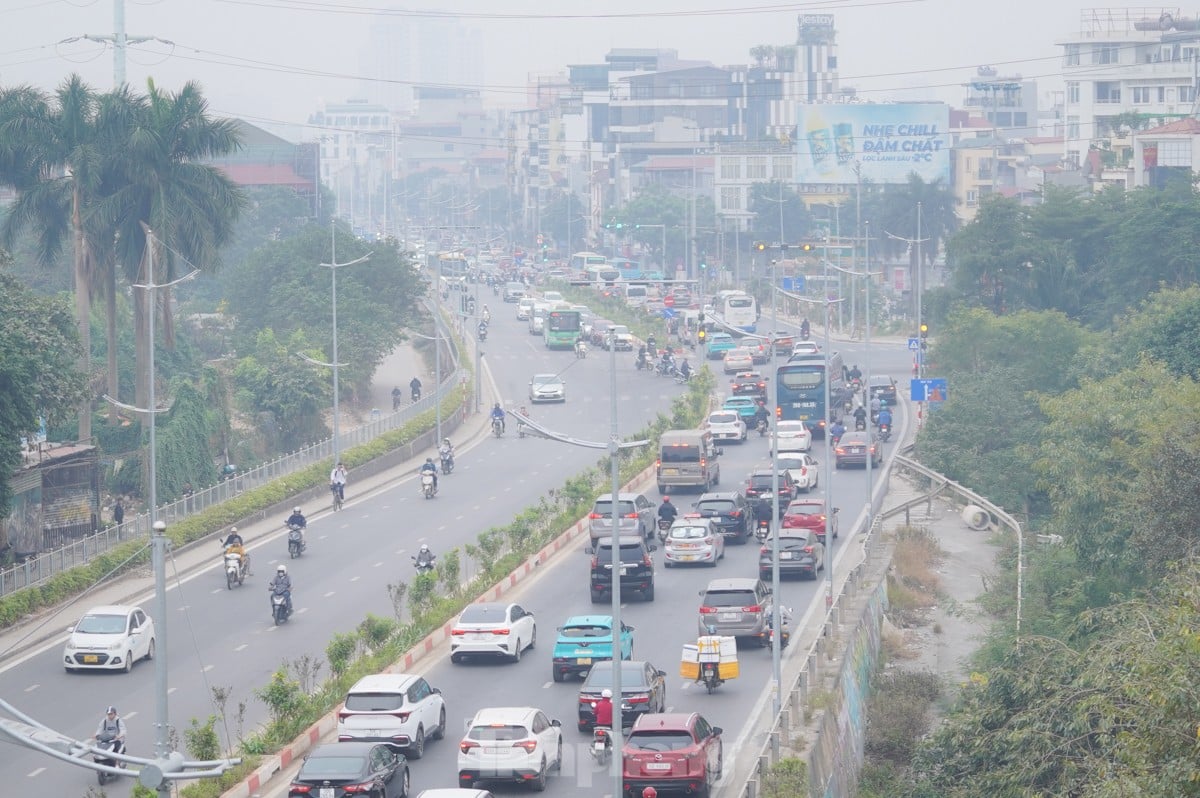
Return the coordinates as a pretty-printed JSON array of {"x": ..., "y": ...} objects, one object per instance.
[
  {"x": 703, "y": 462},
  {"x": 764, "y": 550},
  {"x": 358, "y": 788},
  {"x": 529, "y": 745},
  {"x": 736, "y": 514},
  {"x": 500, "y": 631},
  {"x": 301, "y": 788},
  {"x": 707, "y": 610},
  {"x": 641, "y": 698},
  {"x": 458, "y": 632},
  {"x": 631, "y": 515},
  {"x": 821, "y": 518},
  {"x": 657, "y": 463},
  {"x": 646, "y": 561},
  {"x": 840, "y": 450},
  {"x": 752, "y": 608},
  {"x": 596, "y": 515},
  {"x": 466, "y": 745},
  {"x": 808, "y": 549}
]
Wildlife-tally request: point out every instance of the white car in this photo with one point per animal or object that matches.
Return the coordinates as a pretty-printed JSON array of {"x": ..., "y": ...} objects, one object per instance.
[
  {"x": 802, "y": 467},
  {"x": 692, "y": 539},
  {"x": 110, "y": 637},
  {"x": 793, "y": 436},
  {"x": 525, "y": 308},
  {"x": 492, "y": 628},
  {"x": 516, "y": 744},
  {"x": 547, "y": 388},
  {"x": 726, "y": 425},
  {"x": 399, "y": 709},
  {"x": 740, "y": 359},
  {"x": 805, "y": 348},
  {"x": 552, "y": 296}
]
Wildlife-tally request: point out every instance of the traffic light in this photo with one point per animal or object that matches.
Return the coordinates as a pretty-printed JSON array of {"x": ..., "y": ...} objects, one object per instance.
[
  {"x": 760, "y": 246},
  {"x": 703, "y": 261},
  {"x": 924, "y": 329},
  {"x": 806, "y": 247},
  {"x": 700, "y": 335}
]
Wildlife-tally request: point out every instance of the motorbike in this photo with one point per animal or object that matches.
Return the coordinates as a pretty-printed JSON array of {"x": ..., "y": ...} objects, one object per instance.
[
  {"x": 497, "y": 427},
  {"x": 665, "y": 368},
  {"x": 762, "y": 529},
  {"x": 428, "y": 488},
  {"x": 447, "y": 463},
  {"x": 482, "y": 332},
  {"x": 109, "y": 744},
  {"x": 834, "y": 440},
  {"x": 280, "y": 611},
  {"x": 803, "y": 333},
  {"x": 642, "y": 363},
  {"x": 885, "y": 432},
  {"x": 785, "y": 617},
  {"x": 761, "y": 426},
  {"x": 681, "y": 379},
  {"x": 296, "y": 544},
  {"x": 664, "y": 527},
  {"x": 416, "y": 394},
  {"x": 495, "y": 289},
  {"x": 580, "y": 350},
  {"x": 710, "y": 676},
  {"x": 235, "y": 569},
  {"x": 601, "y": 745},
  {"x": 424, "y": 566},
  {"x": 860, "y": 424}
]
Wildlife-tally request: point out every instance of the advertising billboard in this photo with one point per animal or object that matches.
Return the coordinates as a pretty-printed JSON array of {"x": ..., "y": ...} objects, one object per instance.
[{"x": 888, "y": 141}]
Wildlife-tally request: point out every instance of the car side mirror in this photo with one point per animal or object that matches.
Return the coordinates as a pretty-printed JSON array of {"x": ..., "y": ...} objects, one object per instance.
[
  {"x": 652, "y": 547},
  {"x": 588, "y": 550},
  {"x": 661, "y": 674},
  {"x": 837, "y": 509},
  {"x": 717, "y": 731},
  {"x": 555, "y": 724},
  {"x": 435, "y": 690}
]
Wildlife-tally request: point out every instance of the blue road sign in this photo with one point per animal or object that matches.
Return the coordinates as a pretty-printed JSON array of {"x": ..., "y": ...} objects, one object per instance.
[
  {"x": 928, "y": 390},
  {"x": 793, "y": 285},
  {"x": 914, "y": 344}
]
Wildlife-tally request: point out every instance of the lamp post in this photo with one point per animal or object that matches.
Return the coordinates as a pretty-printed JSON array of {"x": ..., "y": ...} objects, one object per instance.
[
  {"x": 776, "y": 611},
  {"x": 917, "y": 281},
  {"x": 333, "y": 266},
  {"x": 437, "y": 372}
]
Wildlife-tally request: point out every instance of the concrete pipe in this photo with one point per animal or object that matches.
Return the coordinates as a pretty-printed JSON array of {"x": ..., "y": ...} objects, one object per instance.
[{"x": 976, "y": 517}]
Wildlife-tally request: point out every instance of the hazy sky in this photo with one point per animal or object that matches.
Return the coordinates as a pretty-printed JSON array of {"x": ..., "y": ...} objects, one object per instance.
[{"x": 276, "y": 60}]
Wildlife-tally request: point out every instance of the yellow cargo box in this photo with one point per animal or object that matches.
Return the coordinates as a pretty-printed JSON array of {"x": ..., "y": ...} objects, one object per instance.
[
  {"x": 728, "y": 669},
  {"x": 691, "y": 670}
]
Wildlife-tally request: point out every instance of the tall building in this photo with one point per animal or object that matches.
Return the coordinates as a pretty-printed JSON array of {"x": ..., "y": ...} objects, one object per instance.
[
  {"x": 405, "y": 50},
  {"x": 1008, "y": 102},
  {"x": 1127, "y": 68}
]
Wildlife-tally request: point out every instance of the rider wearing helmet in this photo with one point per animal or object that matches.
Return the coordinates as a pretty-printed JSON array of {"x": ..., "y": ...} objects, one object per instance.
[
  {"x": 604, "y": 710},
  {"x": 667, "y": 511},
  {"x": 112, "y": 727},
  {"x": 298, "y": 520},
  {"x": 498, "y": 412},
  {"x": 282, "y": 583},
  {"x": 235, "y": 545},
  {"x": 429, "y": 467},
  {"x": 424, "y": 555}
]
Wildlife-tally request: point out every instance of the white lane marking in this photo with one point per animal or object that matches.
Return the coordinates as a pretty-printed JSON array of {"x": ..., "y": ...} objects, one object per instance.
[
  {"x": 322, "y": 537},
  {"x": 548, "y": 685},
  {"x": 205, "y": 669},
  {"x": 399, "y": 551},
  {"x": 355, "y": 578},
  {"x": 305, "y": 609},
  {"x": 131, "y": 714},
  {"x": 32, "y": 687},
  {"x": 376, "y": 565},
  {"x": 171, "y": 690},
  {"x": 330, "y": 593},
  {"x": 31, "y": 774},
  {"x": 215, "y": 591},
  {"x": 244, "y": 646}
]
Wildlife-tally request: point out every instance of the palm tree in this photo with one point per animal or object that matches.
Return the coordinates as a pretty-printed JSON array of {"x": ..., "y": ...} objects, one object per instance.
[
  {"x": 49, "y": 153},
  {"x": 157, "y": 180}
]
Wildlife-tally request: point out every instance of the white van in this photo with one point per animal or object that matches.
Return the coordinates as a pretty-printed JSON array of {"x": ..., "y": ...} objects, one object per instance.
[
  {"x": 636, "y": 296},
  {"x": 525, "y": 307}
]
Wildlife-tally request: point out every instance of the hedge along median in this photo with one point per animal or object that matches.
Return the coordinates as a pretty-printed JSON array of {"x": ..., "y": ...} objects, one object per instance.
[{"x": 299, "y": 704}]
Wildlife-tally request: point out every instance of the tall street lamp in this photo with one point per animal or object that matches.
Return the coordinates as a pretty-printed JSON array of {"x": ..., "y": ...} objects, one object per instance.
[{"x": 333, "y": 266}]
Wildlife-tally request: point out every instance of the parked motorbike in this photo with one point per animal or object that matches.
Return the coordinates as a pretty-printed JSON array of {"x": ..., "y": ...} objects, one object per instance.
[
  {"x": 581, "y": 350},
  {"x": 280, "y": 611},
  {"x": 235, "y": 569},
  {"x": 664, "y": 527},
  {"x": 296, "y": 544},
  {"x": 109, "y": 744},
  {"x": 424, "y": 566},
  {"x": 601, "y": 745},
  {"x": 428, "y": 487},
  {"x": 497, "y": 427}
]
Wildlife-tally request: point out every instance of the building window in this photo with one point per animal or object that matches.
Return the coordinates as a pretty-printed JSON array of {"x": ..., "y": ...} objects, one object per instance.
[
  {"x": 756, "y": 168},
  {"x": 781, "y": 168},
  {"x": 641, "y": 91},
  {"x": 1020, "y": 119},
  {"x": 1108, "y": 91},
  {"x": 1106, "y": 54},
  {"x": 1072, "y": 55},
  {"x": 972, "y": 198},
  {"x": 674, "y": 89},
  {"x": 1175, "y": 153},
  {"x": 1141, "y": 95},
  {"x": 731, "y": 198},
  {"x": 1072, "y": 127},
  {"x": 1187, "y": 94},
  {"x": 731, "y": 169},
  {"x": 1161, "y": 93},
  {"x": 1073, "y": 92}
]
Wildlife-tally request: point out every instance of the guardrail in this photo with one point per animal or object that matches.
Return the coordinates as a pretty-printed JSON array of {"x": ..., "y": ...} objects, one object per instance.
[
  {"x": 37, "y": 569},
  {"x": 836, "y": 754}
]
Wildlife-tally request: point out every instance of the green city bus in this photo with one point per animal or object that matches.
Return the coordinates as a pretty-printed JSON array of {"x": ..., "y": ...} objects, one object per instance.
[{"x": 561, "y": 329}]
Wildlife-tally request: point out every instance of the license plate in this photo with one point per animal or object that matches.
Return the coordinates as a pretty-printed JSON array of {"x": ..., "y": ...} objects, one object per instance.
[
  {"x": 729, "y": 616},
  {"x": 494, "y": 749},
  {"x": 326, "y": 792},
  {"x": 670, "y": 471},
  {"x": 584, "y": 661},
  {"x": 658, "y": 766},
  {"x": 91, "y": 658},
  {"x": 687, "y": 557},
  {"x": 785, "y": 555},
  {"x": 624, "y": 570}
]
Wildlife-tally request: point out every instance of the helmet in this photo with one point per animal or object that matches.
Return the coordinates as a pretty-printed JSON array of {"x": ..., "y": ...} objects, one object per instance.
[
  {"x": 424, "y": 547},
  {"x": 496, "y": 406},
  {"x": 606, "y": 693},
  {"x": 295, "y": 509},
  {"x": 110, "y": 711},
  {"x": 233, "y": 530},
  {"x": 282, "y": 569},
  {"x": 429, "y": 460},
  {"x": 666, "y": 499}
]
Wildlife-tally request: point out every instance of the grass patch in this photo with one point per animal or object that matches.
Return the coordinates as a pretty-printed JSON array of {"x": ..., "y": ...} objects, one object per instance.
[{"x": 898, "y": 713}]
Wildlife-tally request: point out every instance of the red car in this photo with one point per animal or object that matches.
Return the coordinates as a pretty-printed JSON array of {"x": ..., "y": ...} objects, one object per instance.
[
  {"x": 672, "y": 752},
  {"x": 810, "y": 514},
  {"x": 782, "y": 342}
]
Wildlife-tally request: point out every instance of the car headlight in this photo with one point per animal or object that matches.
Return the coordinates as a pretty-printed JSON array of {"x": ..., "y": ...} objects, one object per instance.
[
  {"x": 70, "y": 645},
  {"x": 115, "y": 646}
]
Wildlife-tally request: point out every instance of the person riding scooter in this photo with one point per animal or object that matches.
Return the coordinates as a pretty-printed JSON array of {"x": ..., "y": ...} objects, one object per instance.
[
  {"x": 297, "y": 519},
  {"x": 498, "y": 413},
  {"x": 235, "y": 545},
  {"x": 836, "y": 431},
  {"x": 860, "y": 418},
  {"x": 429, "y": 468},
  {"x": 282, "y": 583},
  {"x": 112, "y": 727}
]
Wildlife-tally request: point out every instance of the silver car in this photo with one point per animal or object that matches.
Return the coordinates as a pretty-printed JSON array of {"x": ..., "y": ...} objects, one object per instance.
[
  {"x": 693, "y": 541},
  {"x": 738, "y": 607},
  {"x": 635, "y": 511},
  {"x": 547, "y": 388}
]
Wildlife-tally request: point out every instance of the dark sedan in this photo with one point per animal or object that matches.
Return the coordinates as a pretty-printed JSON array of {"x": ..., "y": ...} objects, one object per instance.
[
  {"x": 338, "y": 770},
  {"x": 643, "y": 690},
  {"x": 800, "y": 552},
  {"x": 852, "y": 449},
  {"x": 884, "y": 387},
  {"x": 729, "y": 513}
]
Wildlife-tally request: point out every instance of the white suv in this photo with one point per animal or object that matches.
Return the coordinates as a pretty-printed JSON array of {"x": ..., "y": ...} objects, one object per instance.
[
  {"x": 517, "y": 744},
  {"x": 399, "y": 709}
]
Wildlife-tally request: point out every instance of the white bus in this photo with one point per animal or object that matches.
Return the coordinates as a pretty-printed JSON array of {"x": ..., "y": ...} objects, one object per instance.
[
  {"x": 580, "y": 261},
  {"x": 737, "y": 309},
  {"x": 602, "y": 276}
]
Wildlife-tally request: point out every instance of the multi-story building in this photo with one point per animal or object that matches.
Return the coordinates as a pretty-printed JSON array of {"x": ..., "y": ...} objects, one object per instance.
[
  {"x": 357, "y": 159},
  {"x": 407, "y": 51},
  {"x": 1008, "y": 102},
  {"x": 1127, "y": 68},
  {"x": 1165, "y": 151}
]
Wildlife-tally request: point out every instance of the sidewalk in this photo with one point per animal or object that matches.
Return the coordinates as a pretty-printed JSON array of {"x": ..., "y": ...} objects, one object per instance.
[{"x": 258, "y": 531}]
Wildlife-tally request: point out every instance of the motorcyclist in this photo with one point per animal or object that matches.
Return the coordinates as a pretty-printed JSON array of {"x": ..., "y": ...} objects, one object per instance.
[
  {"x": 112, "y": 727},
  {"x": 487, "y": 315},
  {"x": 337, "y": 480},
  {"x": 855, "y": 373},
  {"x": 482, "y": 329},
  {"x": 836, "y": 431},
  {"x": 397, "y": 397},
  {"x": 762, "y": 416},
  {"x": 428, "y": 467},
  {"x": 667, "y": 511},
  {"x": 860, "y": 417},
  {"x": 804, "y": 328},
  {"x": 415, "y": 387},
  {"x": 498, "y": 412},
  {"x": 297, "y": 519},
  {"x": 424, "y": 556},
  {"x": 446, "y": 452},
  {"x": 885, "y": 418},
  {"x": 651, "y": 343},
  {"x": 282, "y": 583},
  {"x": 667, "y": 363},
  {"x": 643, "y": 357},
  {"x": 604, "y": 712},
  {"x": 580, "y": 344},
  {"x": 235, "y": 545},
  {"x": 875, "y": 405},
  {"x": 685, "y": 370}
]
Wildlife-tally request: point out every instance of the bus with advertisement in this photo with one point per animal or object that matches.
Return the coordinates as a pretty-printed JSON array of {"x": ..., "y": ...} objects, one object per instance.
[
  {"x": 562, "y": 328},
  {"x": 580, "y": 261},
  {"x": 801, "y": 385},
  {"x": 452, "y": 267},
  {"x": 737, "y": 309}
]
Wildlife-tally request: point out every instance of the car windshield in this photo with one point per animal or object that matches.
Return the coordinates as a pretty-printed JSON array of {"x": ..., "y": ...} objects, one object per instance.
[
  {"x": 632, "y": 676},
  {"x": 545, "y": 379},
  {"x": 102, "y": 625},
  {"x": 586, "y": 631},
  {"x": 485, "y": 613},
  {"x": 791, "y": 462},
  {"x": 664, "y": 740},
  {"x": 332, "y": 767},
  {"x": 688, "y": 532},
  {"x": 604, "y": 507},
  {"x": 680, "y": 454},
  {"x": 731, "y": 404},
  {"x": 805, "y": 509},
  {"x": 722, "y": 418},
  {"x": 619, "y": 329},
  {"x": 762, "y": 481},
  {"x": 716, "y": 506},
  {"x": 791, "y": 428},
  {"x": 729, "y": 598},
  {"x": 374, "y": 702},
  {"x": 497, "y": 732},
  {"x": 631, "y": 553}
]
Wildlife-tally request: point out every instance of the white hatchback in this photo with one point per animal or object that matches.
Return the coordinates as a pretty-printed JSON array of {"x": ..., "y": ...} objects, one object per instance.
[
  {"x": 110, "y": 637},
  {"x": 793, "y": 436},
  {"x": 803, "y": 468},
  {"x": 693, "y": 540},
  {"x": 493, "y": 628},
  {"x": 519, "y": 744},
  {"x": 399, "y": 709},
  {"x": 726, "y": 425}
]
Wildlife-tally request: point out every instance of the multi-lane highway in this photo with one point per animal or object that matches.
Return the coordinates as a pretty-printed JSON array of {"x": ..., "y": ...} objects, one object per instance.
[{"x": 225, "y": 638}]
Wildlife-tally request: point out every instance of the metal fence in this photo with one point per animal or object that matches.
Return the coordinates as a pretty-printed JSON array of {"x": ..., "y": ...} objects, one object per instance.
[{"x": 37, "y": 569}]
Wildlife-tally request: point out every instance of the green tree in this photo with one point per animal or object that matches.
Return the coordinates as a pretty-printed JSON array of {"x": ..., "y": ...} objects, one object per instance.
[
  {"x": 775, "y": 203},
  {"x": 287, "y": 396},
  {"x": 990, "y": 253},
  {"x": 1165, "y": 328},
  {"x": 651, "y": 207},
  {"x": 39, "y": 375}
]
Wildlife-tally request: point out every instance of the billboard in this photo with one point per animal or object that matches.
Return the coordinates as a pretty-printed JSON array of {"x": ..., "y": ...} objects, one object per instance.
[{"x": 888, "y": 141}]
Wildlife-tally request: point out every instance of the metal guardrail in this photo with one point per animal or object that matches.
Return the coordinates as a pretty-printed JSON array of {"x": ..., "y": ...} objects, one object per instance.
[{"x": 37, "y": 569}]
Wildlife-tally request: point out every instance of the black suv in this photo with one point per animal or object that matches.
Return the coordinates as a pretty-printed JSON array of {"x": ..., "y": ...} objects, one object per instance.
[
  {"x": 729, "y": 513},
  {"x": 758, "y": 491},
  {"x": 637, "y": 568}
]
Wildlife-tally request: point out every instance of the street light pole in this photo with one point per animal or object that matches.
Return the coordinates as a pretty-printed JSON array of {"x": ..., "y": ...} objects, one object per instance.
[
  {"x": 614, "y": 450},
  {"x": 333, "y": 266},
  {"x": 773, "y": 420}
]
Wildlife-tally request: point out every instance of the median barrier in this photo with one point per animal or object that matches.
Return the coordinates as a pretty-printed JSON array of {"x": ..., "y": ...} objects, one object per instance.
[{"x": 311, "y": 736}]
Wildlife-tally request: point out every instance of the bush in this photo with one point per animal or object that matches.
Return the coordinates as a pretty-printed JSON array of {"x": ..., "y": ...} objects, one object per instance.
[
  {"x": 898, "y": 713},
  {"x": 787, "y": 779}
]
